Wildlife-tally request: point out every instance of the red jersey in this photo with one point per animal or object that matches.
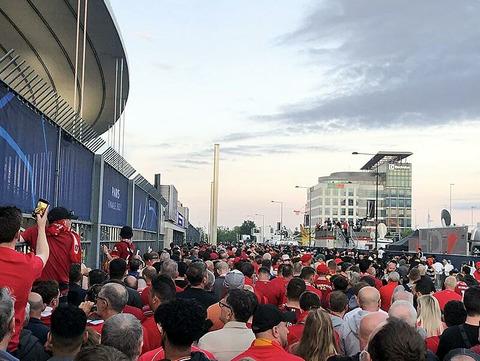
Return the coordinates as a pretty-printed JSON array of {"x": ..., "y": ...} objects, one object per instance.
[
  {"x": 151, "y": 334},
  {"x": 96, "y": 325},
  {"x": 295, "y": 331},
  {"x": 267, "y": 350},
  {"x": 271, "y": 291},
  {"x": 138, "y": 313},
  {"x": 460, "y": 288},
  {"x": 123, "y": 249},
  {"x": 386, "y": 293},
  {"x": 446, "y": 295},
  {"x": 310, "y": 288},
  {"x": 19, "y": 271},
  {"x": 64, "y": 250},
  {"x": 159, "y": 354}
]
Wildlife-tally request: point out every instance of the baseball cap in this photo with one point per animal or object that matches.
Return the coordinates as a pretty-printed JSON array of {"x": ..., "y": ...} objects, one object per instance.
[
  {"x": 285, "y": 257},
  {"x": 306, "y": 257},
  {"x": 126, "y": 232},
  {"x": 267, "y": 316},
  {"x": 59, "y": 213},
  {"x": 338, "y": 260},
  {"x": 323, "y": 269},
  {"x": 234, "y": 279}
]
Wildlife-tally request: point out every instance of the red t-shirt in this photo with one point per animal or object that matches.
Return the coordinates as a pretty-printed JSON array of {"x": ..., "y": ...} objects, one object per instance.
[
  {"x": 61, "y": 245},
  {"x": 267, "y": 350},
  {"x": 96, "y": 325},
  {"x": 314, "y": 290},
  {"x": 151, "y": 334},
  {"x": 271, "y": 291},
  {"x": 295, "y": 331},
  {"x": 446, "y": 295},
  {"x": 138, "y": 313},
  {"x": 386, "y": 293},
  {"x": 159, "y": 354},
  {"x": 461, "y": 287},
  {"x": 123, "y": 250},
  {"x": 18, "y": 272}
]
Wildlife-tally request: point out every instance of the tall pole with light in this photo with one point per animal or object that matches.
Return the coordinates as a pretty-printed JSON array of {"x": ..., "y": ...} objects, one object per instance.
[
  {"x": 451, "y": 185},
  {"x": 281, "y": 218},
  {"x": 263, "y": 226},
  {"x": 309, "y": 213},
  {"x": 376, "y": 197}
]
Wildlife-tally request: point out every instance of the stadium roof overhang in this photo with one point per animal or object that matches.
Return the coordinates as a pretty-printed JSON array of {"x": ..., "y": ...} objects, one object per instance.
[
  {"x": 382, "y": 157},
  {"x": 44, "y": 34}
]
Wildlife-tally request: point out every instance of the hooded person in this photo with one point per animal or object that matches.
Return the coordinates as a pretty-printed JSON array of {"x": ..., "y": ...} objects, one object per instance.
[{"x": 124, "y": 249}]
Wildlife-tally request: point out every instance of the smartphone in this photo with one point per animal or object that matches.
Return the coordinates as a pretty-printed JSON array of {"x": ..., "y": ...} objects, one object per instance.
[{"x": 42, "y": 205}]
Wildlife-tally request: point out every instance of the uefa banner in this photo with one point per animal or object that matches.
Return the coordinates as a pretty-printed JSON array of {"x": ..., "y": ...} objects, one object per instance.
[
  {"x": 145, "y": 211},
  {"x": 28, "y": 153},
  {"x": 75, "y": 187},
  {"x": 115, "y": 197}
]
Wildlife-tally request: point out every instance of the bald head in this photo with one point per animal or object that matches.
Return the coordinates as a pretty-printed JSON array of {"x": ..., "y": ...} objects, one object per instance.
[
  {"x": 450, "y": 283},
  {"x": 402, "y": 296},
  {"x": 369, "y": 299},
  {"x": 222, "y": 268},
  {"x": 35, "y": 301},
  {"x": 368, "y": 324},
  {"x": 405, "y": 311}
]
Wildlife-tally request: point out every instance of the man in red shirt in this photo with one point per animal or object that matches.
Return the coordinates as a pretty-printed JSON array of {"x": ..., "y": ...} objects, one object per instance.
[
  {"x": 322, "y": 283},
  {"x": 308, "y": 275},
  {"x": 125, "y": 248},
  {"x": 20, "y": 270},
  {"x": 448, "y": 293},
  {"x": 266, "y": 287},
  {"x": 64, "y": 247},
  {"x": 308, "y": 301},
  {"x": 270, "y": 328},
  {"x": 282, "y": 282},
  {"x": 386, "y": 291}
]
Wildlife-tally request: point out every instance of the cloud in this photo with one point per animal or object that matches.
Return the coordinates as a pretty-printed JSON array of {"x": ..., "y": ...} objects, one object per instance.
[
  {"x": 235, "y": 137},
  {"x": 385, "y": 64},
  {"x": 142, "y": 35},
  {"x": 161, "y": 65}
]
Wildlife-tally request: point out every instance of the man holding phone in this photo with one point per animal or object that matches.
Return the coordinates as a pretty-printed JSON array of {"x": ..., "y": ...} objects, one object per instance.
[
  {"x": 20, "y": 270},
  {"x": 64, "y": 247}
]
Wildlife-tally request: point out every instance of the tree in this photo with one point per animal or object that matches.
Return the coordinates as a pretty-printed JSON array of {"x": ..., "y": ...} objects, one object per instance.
[
  {"x": 225, "y": 235},
  {"x": 246, "y": 227}
]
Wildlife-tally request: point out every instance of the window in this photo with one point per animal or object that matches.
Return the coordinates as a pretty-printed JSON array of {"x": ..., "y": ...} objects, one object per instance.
[
  {"x": 350, "y": 202},
  {"x": 350, "y": 211}
]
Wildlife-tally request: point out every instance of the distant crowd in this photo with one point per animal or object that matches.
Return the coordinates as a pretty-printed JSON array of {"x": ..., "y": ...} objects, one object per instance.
[{"x": 228, "y": 302}]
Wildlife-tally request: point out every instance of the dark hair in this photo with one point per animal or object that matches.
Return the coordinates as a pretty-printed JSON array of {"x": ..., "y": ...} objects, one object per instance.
[
  {"x": 164, "y": 288},
  {"x": 307, "y": 272},
  {"x": 92, "y": 293},
  {"x": 424, "y": 285},
  {"x": 359, "y": 285},
  {"x": 287, "y": 270},
  {"x": 48, "y": 290},
  {"x": 263, "y": 270},
  {"x": 10, "y": 223},
  {"x": 295, "y": 288},
  {"x": 100, "y": 353},
  {"x": 339, "y": 283},
  {"x": 454, "y": 313},
  {"x": 246, "y": 268},
  {"x": 338, "y": 301},
  {"x": 182, "y": 268},
  {"x": 397, "y": 341},
  {"x": 96, "y": 277},
  {"x": 243, "y": 303},
  {"x": 196, "y": 271},
  {"x": 369, "y": 280},
  {"x": 364, "y": 265},
  {"x": 182, "y": 320},
  {"x": 75, "y": 273},
  {"x": 117, "y": 268},
  {"x": 471, "y": 300},
  {"x": 135, "y": 264},
  {"x": 68, "y": 327},
  {"x": 466, "y": 269},
  {"x": 266, "y": 263},
  {"x": 309, "y": 300},
  {"x": 470, "y": 280}
]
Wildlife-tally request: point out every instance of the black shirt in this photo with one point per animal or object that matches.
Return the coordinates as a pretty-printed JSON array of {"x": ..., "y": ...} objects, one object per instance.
[
  {"x": 205, "y": 298},
  {"x": 452, "y": 338}
]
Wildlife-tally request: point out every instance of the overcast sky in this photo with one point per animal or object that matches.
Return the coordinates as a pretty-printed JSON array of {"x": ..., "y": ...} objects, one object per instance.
[{"x": 290, "y": 88}]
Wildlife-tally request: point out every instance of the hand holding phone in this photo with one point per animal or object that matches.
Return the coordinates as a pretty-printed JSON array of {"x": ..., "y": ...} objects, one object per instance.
[
  {"x": 41, "y": 207},
  {"x": 42, "y": 219}
]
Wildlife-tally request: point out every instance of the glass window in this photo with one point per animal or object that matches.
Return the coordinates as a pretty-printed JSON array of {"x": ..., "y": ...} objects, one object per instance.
[
  {"x": 327, "y": 211},
  {"x": 350, "y": 202},
  {"x": 335, "y": 192},
  {"x": 350, "y": 192},
  {"x": 401, "y": 202},
  {"x": 350, "y": 211},
  {"x": 327, "y": 192},
  {"x": 342, "y": 211},
  {"x": 327, "y": 201},
  {"x": 343, "y": 202},
  {"x": 335, "y": 212}
]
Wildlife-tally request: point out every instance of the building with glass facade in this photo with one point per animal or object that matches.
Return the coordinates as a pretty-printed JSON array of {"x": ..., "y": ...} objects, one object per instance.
[{"x": 353, "y": 196}]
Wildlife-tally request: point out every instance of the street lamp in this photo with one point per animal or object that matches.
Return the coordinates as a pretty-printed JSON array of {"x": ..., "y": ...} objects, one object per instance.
[
  {"x": 263, "y": 226},
  {"x": 309, "y": 213},
  {"x": 451, "y": 185},
  {"x": 281, "y": 218},
  {"x": 376, "y": 197}
]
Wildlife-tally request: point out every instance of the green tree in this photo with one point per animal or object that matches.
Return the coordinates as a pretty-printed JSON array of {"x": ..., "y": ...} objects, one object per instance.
[
  {"x": 246, "y": 227},
  {"x": 226, "y": 235}
]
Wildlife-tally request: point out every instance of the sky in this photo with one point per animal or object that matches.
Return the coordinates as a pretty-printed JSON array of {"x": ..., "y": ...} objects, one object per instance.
[{"x": 289, "y": 89}]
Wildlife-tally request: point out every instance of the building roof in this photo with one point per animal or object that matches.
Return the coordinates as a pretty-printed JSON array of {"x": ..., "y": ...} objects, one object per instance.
[
  {"x": 382, "y": 157},
  {"x": 43, "y": 33}
]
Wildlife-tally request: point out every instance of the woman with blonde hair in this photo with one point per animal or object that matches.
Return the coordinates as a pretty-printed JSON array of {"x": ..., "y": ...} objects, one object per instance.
[
  {"x": 318, "y": 338},
  {"x": 430, "y": 319}
]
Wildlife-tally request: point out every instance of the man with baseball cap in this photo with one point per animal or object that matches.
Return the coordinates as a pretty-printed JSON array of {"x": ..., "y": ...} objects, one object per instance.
[
  {"x": 270, "y": 328},
  {"x": 64, "y": 246},
  {"x": 124, "y": 249}
]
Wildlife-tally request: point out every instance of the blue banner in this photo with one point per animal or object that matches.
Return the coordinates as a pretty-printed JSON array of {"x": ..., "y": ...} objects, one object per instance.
[
  {"x": 75, "y": 188},
  {"x": 28, "y": 154},
  {"x": 115, "y": 195},
  {"x": 145, "y": 211}
]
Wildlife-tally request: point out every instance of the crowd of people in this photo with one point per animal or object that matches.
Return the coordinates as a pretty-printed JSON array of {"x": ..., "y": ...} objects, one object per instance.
[{"x": 228, "y": 302}]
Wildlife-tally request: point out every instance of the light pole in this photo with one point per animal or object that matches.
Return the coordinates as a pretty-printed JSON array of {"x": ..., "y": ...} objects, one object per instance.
[
  {"x": 451, "y": 185},
  {"x": 281, "y": 218},
  {"x": 263, "y": 226},
  {"x": 376, "y": 197},
  {"x": 309, "y": 212},
  {"x": 473, "y": 207}
]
